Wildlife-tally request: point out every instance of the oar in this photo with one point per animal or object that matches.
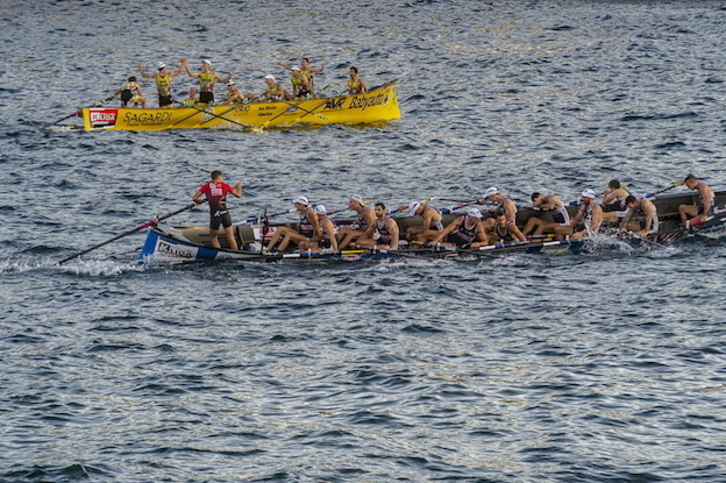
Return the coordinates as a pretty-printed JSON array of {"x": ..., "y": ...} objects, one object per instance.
[
  {"x": 446, "y": 211},
  {"x": 297, "y": 106},
  {"x": 465, "y": 202},
  {"x": 291, "y": 210},
  {"x": 211, "y": 114},
  {"x": 267, "y": 217},
  {"x": 572, "y": 203},
  {"x": 344, "y": 209},
  {"x": 98, "y": 104},
  {"x": 325, "y": 101},
  {"x": 463, "y": 250},
  {"x": 316, "y": 254},
  {"x": 395, "y": 253},
  {"x": 130, "y": 232},
  {"x": 664, "y": 190},
  {"x": 428, "y": 200},
  {"x": 644, "y": 239},
  {"x": 261, "y": 127}
]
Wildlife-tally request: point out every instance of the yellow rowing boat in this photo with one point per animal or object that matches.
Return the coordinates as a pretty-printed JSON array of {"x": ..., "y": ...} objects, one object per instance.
[{"x": 379, "y": 104}]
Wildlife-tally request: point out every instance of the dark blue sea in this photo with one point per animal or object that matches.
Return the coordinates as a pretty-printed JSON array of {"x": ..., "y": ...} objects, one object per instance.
[{"x": 602, "y": 367}]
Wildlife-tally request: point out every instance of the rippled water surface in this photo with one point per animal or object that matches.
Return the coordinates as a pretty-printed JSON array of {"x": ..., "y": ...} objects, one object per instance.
[{"x": 605, "y": 367}]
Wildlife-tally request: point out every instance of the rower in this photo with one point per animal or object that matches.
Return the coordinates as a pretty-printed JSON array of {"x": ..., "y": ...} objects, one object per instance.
[
  {"x": 365, "y": 218},
  {"x": 301, "y": 88},
  {"x": 163, "y": 81},
  {"x": 432, "y": 224},
  {"x": 130, "y": 91},
  {"x": 464, "y": 232},
  {"x": 561, "y": 218},
  {"x": 193, "y": 98},
  {"x": 356, "y": 85},
  {"x": 501, "y": 230},
  {"x": 307, "y": 71},
  {"x": 588, "y": 219},
  {"x": 613, "y": 202},
  {"x": 234, "y": 95},
  {"x": 328, "y": 230},
  {"x": 206, "y": 81},
  {"x": 274, "y": 91},
  {"x": 493, "y": 195},
  {"x": 643, "y": 215},
  {"x": 703, "y": 209},
  {"x": 309, "y": 228}
]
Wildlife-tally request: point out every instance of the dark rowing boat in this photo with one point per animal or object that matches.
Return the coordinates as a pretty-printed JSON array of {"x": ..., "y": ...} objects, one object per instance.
[{"x": 166, "y": 243}]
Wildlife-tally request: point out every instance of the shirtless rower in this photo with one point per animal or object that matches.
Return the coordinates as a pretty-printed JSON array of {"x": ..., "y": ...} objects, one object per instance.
[
  {"x": 643, "y": 215},
  {"x": 432, "y": 224},
  {"x": 703, "y": 208},
  {"x": 326, "y": 240},
  {"x": 493, "y": 195}
]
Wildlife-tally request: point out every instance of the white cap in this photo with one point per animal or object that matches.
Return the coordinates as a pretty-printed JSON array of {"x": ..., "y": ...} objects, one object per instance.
[
  {"x": 300, "y": 199},
  {"x": 270, "y": 76},
  {"x": 357, "y": 198},
  {"x": 588, "y": 193},
  {"x": 160, "y": 65},
  {"x": 492, "y": 190},
  {"x": 320, "y": 210},
  {"x": 207, "y": 61},
  {"x": 474, "y": 213},
  {"x": 294, "y": 67},
  {"x": 413, "y": 207},
  {"x": 230, "y": 83}
]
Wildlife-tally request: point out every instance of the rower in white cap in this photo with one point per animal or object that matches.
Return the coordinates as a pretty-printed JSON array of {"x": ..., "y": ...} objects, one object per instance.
[
  {"x": 493, "y": 195},
  {"x": 464, "y": 232},
  {"x": 206, "y": 81},
  {"x": 365, "y": 218},
  {"x": 274, "y": 91},
  {"x": 309, "y": 228},
  {"x": 588, "y": 219},
  {"x": 431, "y": 225},
  {"x": 163, "y": 81}
]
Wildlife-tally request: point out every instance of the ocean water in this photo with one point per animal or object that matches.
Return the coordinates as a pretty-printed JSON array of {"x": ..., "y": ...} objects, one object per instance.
[{"x": 601, "y": 367}]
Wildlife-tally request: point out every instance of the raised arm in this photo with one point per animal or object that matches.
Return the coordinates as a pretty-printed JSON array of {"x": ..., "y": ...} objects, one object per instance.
[
  {"x": 144, "y": 74},
  {"x": 189, "y": 71},
  {"x": 221, "y": 79},
  {"x": 180, "y": 69}
]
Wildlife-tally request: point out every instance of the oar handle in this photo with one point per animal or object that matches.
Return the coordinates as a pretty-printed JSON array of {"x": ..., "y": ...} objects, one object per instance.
[{"x": 663, "y": 191}]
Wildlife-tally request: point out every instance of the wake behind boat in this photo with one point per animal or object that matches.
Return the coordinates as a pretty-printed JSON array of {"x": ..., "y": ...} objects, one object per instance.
[
  {"x": 165, "y": 243},
  {"x": 378, "y": 104}
]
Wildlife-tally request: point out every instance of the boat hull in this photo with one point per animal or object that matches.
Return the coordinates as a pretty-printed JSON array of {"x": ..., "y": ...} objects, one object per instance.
[
  {"x": 380, "y": 104},
  {"x": 165, "y": 243}
]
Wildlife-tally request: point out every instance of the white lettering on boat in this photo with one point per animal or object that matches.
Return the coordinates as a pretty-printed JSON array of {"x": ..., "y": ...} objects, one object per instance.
[
  {"x": 167, "y": 249},
  {"x": 103, "y": 117}
]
